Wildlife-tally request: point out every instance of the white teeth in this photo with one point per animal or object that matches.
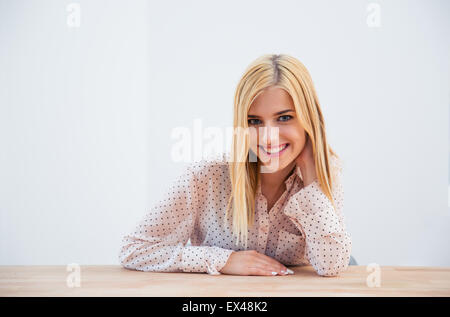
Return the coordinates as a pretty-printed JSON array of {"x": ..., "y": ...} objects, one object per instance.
[{"x": 273, "y": 151}]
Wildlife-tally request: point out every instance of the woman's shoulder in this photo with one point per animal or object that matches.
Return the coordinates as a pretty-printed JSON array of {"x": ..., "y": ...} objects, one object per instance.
[
  {"x": 336, "y": 164},
  {"x": 211, "y": 166},
  {"x": 336, "y": 161}
]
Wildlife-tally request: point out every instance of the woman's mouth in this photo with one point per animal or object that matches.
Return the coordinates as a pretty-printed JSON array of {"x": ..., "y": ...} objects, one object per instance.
[{"x": 275, "y": 151}]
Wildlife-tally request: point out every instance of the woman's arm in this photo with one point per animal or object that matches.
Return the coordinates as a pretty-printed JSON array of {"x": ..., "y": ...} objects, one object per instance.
[
  {"x": 158, "y": 241},
  {"x": 328, "y": 244}
]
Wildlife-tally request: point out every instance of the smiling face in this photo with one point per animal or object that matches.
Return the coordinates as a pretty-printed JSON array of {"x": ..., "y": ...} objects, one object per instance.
[{"x": 273, "y": 109}]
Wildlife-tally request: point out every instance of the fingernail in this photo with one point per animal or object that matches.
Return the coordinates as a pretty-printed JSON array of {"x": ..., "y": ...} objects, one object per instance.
[
  {"x": 284, "y": 272},
  {"x": 274, "y": 273},
  {"x": 290, "y": 271}
]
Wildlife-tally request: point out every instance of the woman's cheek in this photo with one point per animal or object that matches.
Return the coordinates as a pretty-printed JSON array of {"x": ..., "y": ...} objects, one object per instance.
[
  {"x": 253, "y": 137},
  {"x": 300, "y": 146},
  {"x": 297, "y": 139}
]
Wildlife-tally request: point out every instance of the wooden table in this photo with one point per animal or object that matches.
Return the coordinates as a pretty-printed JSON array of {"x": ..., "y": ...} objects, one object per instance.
[{"x": 114, "y": 280}]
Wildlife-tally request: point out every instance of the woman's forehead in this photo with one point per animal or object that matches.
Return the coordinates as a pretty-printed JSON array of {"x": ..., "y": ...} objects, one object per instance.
[{"x": 270, "y": 101}]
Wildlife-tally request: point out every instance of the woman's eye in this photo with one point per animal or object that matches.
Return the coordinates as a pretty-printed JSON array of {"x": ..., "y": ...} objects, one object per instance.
[
  {"x": 253, "y": 121},
  {"x": 282, "y": 119},
  {"x": 287, "y": 118}
]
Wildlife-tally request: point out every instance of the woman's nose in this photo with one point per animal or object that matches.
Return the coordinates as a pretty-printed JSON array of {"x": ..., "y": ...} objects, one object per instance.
[{"x": 269, "y": 135}]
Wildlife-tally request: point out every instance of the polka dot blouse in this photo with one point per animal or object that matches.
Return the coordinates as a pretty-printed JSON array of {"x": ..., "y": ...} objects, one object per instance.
[{"x": 184, "y": 231}]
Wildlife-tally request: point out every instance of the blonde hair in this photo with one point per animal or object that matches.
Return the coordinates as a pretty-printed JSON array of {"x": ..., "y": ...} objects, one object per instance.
[{"x": 288, "y": 73}]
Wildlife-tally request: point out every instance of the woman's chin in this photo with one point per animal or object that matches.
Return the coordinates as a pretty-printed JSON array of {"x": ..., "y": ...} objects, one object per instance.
[{"x": 273, "y": 165}]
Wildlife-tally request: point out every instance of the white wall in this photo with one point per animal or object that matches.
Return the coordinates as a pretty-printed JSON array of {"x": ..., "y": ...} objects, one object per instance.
[{"x": 86, "y": 114}]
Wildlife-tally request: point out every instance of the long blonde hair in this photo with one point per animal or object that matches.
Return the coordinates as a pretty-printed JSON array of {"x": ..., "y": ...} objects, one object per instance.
[{"x": 287, "y": 73}]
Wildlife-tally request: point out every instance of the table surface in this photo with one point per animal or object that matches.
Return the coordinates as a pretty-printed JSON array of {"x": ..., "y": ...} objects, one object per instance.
[{"x": 114, "y": 280}]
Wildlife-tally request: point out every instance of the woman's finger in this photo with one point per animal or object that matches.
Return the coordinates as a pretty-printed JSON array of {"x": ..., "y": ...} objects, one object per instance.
[
  {"x": 277, "y": 266},
  {"x": 261, "y": 271}
]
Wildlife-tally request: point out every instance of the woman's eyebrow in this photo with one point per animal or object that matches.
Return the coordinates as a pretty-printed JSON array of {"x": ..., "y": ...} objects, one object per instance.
[{"x": 275, "y": 114}]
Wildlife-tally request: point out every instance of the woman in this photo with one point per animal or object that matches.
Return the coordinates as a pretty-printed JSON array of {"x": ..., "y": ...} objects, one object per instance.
[{"x": 278, "y": 194}]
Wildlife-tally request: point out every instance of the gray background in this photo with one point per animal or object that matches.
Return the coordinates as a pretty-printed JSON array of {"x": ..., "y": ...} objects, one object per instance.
[{"x": 86, "y": 114}]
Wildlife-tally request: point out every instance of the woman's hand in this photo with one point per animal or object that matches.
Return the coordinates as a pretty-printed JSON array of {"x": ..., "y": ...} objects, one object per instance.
[
  {"x": 305, "y": 160},
  {"x": 306, "y": 156},
  {"x": 252, "y": 262}
]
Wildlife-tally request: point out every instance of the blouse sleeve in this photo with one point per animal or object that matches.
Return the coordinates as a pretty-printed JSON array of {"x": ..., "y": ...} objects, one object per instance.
[
  {"x": 158, "y": 242},
  {"x": 328, "y": 244}
]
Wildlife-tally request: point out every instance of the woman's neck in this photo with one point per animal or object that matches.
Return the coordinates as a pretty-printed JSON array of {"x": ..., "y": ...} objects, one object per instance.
[{"x": 273, "y": 181}]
